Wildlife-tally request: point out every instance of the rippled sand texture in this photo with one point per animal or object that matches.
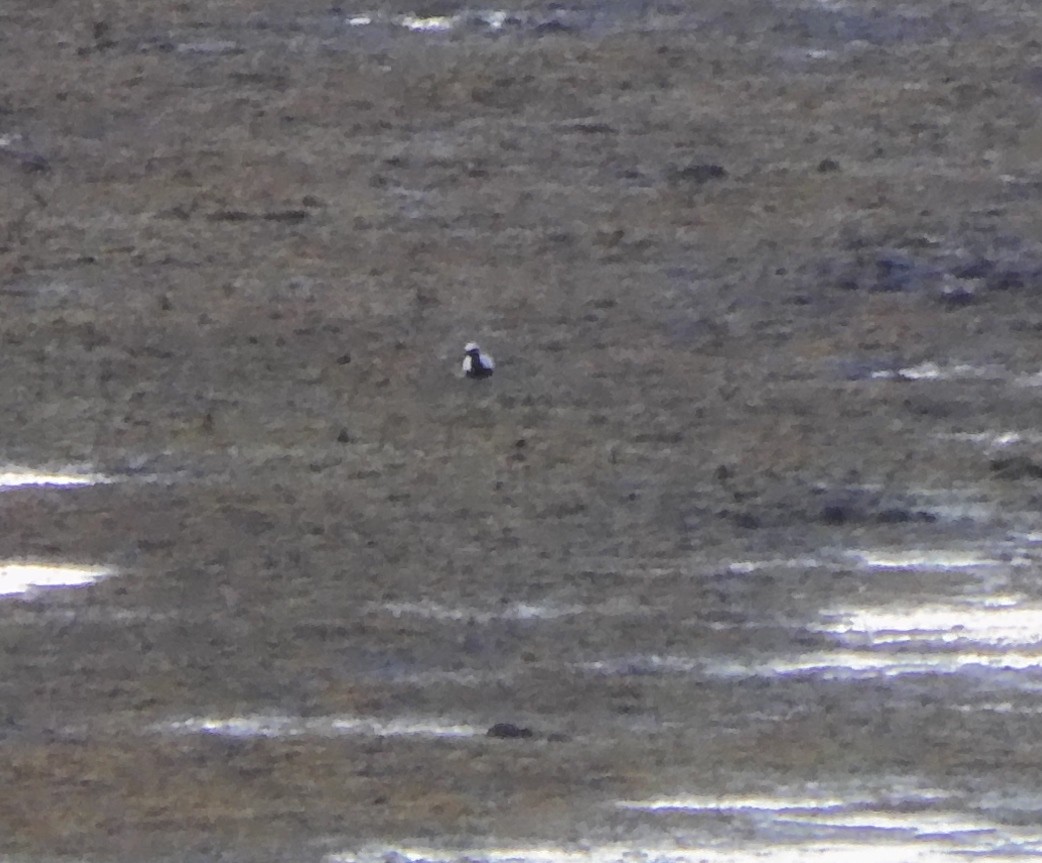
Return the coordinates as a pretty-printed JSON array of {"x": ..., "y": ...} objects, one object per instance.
[{"x": 739, "y": 549}]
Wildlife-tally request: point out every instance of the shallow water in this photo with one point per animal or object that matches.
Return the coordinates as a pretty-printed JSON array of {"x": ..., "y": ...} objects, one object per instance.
[{"x": 960, "y": 619}]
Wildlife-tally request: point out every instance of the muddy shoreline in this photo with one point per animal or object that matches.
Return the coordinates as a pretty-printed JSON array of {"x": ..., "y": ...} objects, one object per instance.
[{"x": 749, "y": 510}]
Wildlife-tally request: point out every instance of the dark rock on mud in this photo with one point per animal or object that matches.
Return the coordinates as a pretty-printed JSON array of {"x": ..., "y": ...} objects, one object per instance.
[
  {"x": 698, "y": 173},
  {"x": 1016, "y": 467},
  {"x": 509, "y": 731}
]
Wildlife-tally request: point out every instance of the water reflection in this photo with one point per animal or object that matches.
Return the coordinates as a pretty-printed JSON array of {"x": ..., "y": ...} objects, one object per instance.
[
  {"x": 18, "y": 578},
  {"x": 994, "y": 439},
  {"x": 430, "y": 24},
  {"x": 930, "y": 371},
  {"x": 493, "y": 20},
  {"x": 13, "y": 476},
  {"x": 517, "y": 611},
  {"x": 917, "y": 848},
  {"x": 851, "y": 663},
  {"x": 282, "y": 725},
  {"x": 728, "y": 803},
  {"x": 997, "y": 632},
  {"x": 904, "y": 822},
  {"x": 924, "y": 559},
  {"x": 997, "y": 621}
]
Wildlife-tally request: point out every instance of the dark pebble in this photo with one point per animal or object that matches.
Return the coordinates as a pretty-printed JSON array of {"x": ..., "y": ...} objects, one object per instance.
[
  {"x": 957, "y": 297},
  {"x": 286, "y": 216},
  {"x": 747, "y": 520},
  {"x": 1016, "y": 467},
  {"x": 834, "y": 514},
  {"x": 895, "y": 272},
  {"x": 700, "y": 173},
  {"x": 897, "y": 515},
  {"x": 229, "y": 216},
  {"x": 594, "y": 128},
  {"x": 549, "y": 27},
  {"x": 508, "y": 731},
  {"x": 979, "y": 269}
]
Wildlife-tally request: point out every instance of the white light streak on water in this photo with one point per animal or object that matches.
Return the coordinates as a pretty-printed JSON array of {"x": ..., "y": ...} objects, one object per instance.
[
  {"x": 494, "y": 19},
  {"x": 726, "y": 803},
  {"x": 896, "y": 849},
  {"x": 839, "y": 663},
  {"x": 264, "y": 725},
  {"x": 895, "y": 818},
  {"x": 456, "y": 677},
  {"x": 743, "y": 567},
  {"x": 997, "y": 622},
  {"x": 18, "y": 578},
  {"x": 922, "y": 823},
  {"x": 518, "y": 611},
  {"x": 13, "y": 476},
  {"x": 924, "y": 559},
  {"x": 830, "y": 664},
  {"x": 1004, "y": 707},
  {"x": 1001, "y": 632},
  {"x": 641, "y": 665}
]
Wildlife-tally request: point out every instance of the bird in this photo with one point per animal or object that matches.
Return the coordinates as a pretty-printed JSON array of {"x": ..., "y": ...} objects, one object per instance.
[{"x": 477, "y": 364}]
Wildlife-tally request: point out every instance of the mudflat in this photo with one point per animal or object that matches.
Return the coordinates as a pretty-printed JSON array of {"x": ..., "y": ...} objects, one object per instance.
[{"x": 761, "y": 281}]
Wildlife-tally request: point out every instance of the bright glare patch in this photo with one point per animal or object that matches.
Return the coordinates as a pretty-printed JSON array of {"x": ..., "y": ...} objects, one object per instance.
[
  {"x": 12, "y": 476},
  {"x": 359, "y": 20},
  {"x": 23, "y": 578},
  {"x": 994, "y": 439},
  {"x": 319, "y": 726},
  {"x": 930, "y": 371},
  {"x": 432, "y": 24},
  {"x": 495, "y": 19}
]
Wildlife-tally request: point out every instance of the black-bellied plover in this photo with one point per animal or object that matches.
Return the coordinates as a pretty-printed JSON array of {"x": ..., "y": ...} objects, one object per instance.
[{"x": 476, "y": 363}]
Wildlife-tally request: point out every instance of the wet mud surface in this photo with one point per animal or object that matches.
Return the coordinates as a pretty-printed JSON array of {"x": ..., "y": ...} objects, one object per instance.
[{"x": 738, "y": 551}]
